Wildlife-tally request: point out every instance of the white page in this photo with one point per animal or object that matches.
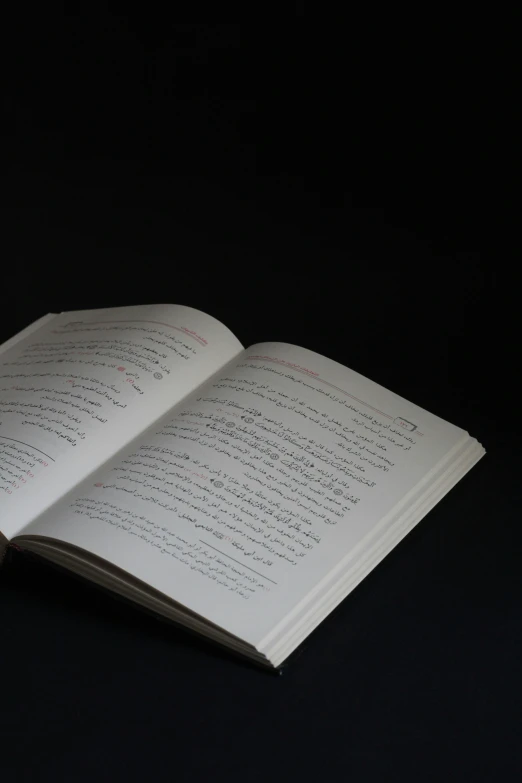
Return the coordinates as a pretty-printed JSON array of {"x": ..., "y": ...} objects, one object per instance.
[
  {"x": 76, "y": 387},
  {"x": 252, "y": 491},
  {"x": 34, "y": 327}
]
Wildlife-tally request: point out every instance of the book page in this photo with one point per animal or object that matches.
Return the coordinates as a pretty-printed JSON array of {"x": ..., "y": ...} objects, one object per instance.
[
  {"x": 252, "y": 491},
  {"x": 76, "y": 387}
]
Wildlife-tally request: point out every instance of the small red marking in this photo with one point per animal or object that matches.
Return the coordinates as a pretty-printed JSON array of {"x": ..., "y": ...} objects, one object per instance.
[
  {"x": 98, "y": 485},
  {"x": 121, "y": 369}
]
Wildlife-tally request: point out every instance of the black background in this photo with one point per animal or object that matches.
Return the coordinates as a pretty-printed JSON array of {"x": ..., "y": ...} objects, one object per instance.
[{"x": 345, "y": 184}]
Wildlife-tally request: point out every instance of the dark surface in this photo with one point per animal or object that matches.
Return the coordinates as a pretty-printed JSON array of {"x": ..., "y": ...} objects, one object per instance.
[{"x": 319, "y": 182}]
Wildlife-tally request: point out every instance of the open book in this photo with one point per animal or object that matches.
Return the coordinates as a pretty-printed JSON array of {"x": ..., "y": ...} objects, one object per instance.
[{"x": 241, "y": 493}]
